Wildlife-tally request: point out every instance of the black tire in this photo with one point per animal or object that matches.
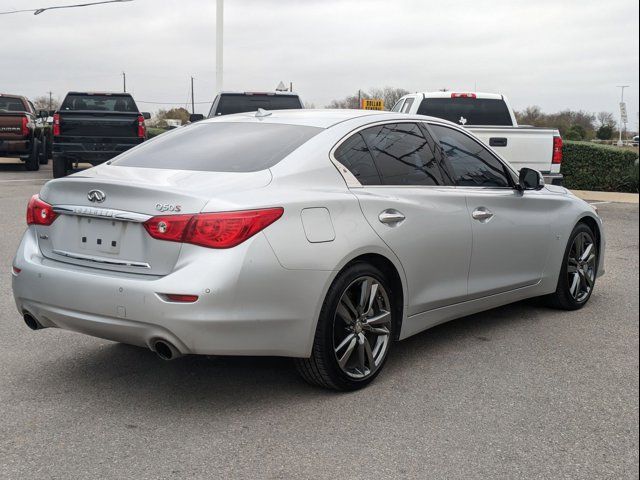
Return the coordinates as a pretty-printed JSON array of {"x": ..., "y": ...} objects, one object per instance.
[
  {"x": 43, "y": 154},
  {"x": 567, "y": 295},
  {"x": 60, "y": 167},
  {"x": 323, "y": 368},
  {"x": 33, "y": 161}
]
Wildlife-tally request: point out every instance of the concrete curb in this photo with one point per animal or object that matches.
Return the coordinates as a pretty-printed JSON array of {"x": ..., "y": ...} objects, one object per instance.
[{"x": 606, "y": 196}]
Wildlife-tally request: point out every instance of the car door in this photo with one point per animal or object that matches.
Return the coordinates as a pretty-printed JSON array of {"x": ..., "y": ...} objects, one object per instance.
[
  {"x": 408, "y": 201},
  {"x": 511, "y": 229}
]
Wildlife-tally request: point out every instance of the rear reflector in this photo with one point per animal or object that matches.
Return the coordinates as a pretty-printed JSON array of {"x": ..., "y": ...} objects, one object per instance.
[
  {"x": 178, "y": 297},
  {"x": 39, "y": 212},
  {"x": 463, "y": 95},
  {"x": 56, "y": 124},
  {"x": 556, "y": 159},
  {"x": 212, "y": 230},
  {"x": 15, "y": 270}
]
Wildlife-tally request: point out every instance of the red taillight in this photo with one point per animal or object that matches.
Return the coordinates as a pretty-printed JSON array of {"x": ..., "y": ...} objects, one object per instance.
[
  {"x": 39, "y": 212},
  {"x": 178, "y": 297},
  {"x": 556, "y": 159},
  {"x": 56, "y": 124},
  {"x": 142, "y": 129},
  {"x": 24, "y": 128},
  {"x": 212, "y": 230},
  {"x": 463, "y": 95}
]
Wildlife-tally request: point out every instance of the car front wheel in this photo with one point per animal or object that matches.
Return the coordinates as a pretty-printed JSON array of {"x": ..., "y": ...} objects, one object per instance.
[{"x": 354, "y": 331}]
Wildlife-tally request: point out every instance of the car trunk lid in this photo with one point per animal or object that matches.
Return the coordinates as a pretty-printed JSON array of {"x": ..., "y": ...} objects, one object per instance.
[{"x": 102, "y": 214}]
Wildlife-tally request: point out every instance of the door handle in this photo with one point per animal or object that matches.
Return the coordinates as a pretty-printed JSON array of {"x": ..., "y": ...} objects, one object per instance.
[
  {"x": 482, "y": 214},
  {"x": 498, "y": 142},
  {"x": 391, "y": 216}
]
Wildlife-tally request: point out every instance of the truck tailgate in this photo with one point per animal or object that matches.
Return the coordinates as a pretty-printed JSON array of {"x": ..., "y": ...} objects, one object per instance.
[
  {"x": 11, "y": 126},
  {"x": 98, "y": 124},
  {"x": 530, "y": 147}
]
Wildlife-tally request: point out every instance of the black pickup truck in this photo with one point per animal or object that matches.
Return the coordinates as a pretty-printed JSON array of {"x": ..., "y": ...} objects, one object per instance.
[{"x": 95, "y": 127}]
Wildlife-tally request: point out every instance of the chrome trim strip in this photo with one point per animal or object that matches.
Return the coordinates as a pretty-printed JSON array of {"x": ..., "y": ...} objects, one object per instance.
[
  {"x": 94, "y": 212},
  {"x": 102, "y": 260}
]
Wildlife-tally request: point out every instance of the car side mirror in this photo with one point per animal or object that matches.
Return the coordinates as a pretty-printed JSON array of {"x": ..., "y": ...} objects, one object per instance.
[
  {"x": 43, "y": 113},
  {"x": 146, "y": 115},
  {"x": 530, "y": 179},
  {"x": 196, "y": 117}
]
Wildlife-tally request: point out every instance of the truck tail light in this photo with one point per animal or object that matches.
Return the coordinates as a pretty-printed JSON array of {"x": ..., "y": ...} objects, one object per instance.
[
  {"x": 212, "y": 230},
  {"x": 556, "y": 159},
  {"x": 24, "y": 127},
  {"x": 40, "y": 212},
  {"x": 463, "y": 95},
  {"x": 142, "y": 129},
  {"x": 56, "y": 124}
]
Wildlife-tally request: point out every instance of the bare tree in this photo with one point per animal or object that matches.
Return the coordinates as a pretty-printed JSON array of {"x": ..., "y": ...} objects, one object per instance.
[
  {"x": 390, "y": 95},
  {"x": 44, "y": 102},
  {"x": 606, "y": 119}
]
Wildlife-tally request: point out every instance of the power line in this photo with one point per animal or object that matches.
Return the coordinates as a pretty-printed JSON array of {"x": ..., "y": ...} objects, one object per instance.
[{"x": 38, "y": 11}]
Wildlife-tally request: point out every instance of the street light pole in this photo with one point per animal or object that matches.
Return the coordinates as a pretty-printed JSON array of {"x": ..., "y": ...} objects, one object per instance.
[
  {"x": 621, "y": 87},
  {"x": 219, "y": 63},
  {"x": 124, "y": 82}
]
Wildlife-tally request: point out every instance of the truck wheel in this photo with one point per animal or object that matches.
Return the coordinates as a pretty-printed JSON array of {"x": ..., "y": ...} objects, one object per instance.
[
  {"x": 60, "y": 167},
  {"x": 43, "y": 154},
  {"x": 33, "y": 162}
]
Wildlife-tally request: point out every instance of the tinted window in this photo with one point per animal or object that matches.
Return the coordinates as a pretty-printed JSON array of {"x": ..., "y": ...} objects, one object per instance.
[
  {"x": 402, "y": 155},
  {"x": 99, "y": 102},
  {"x": 354, "y": 155},
  {"x": 471, "y": 163},
  {"x": 11, "y": 104},
  {"x": 397, "y": 106},
  {"x": 250, "y": 103},
  {"x": 467, "y": 111},
  {"x": 219, "y": 147}
]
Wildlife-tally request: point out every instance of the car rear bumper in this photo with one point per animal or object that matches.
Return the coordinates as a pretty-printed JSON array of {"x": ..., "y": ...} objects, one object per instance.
[
  {"x": 14, "y": 148},
  {"x": 553, "y": 179},
  {"x": 248, "y": 304},
  {"x": 91, "y": 152}
]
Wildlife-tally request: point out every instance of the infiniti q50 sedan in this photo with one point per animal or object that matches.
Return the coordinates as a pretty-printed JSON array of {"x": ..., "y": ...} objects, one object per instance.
[{"x": 320, "y": 235}]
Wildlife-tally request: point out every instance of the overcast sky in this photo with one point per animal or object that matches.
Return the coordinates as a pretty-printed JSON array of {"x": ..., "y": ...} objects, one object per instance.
[{"x": 555, "y": 54}]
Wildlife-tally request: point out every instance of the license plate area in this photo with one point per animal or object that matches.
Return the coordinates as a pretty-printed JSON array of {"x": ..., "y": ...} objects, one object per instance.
[{"x": 98, "y": 235}]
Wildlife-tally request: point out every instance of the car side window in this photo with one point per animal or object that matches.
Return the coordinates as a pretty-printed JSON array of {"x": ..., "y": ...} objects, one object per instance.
[
  {"x": 402, "y": 155},
  {"x": 407, "y": 105},
  {"x": 472, "y": 165},
  {"x": 397, "y": 106},
  {"x": 355, "y": 156}
]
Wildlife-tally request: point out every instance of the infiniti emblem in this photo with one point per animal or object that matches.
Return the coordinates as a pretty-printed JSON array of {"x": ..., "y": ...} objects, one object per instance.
[{"x": 96, "y": 196}]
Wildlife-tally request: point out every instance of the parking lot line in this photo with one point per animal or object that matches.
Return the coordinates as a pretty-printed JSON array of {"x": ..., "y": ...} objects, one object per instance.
[{"x": 25, "y": 179}]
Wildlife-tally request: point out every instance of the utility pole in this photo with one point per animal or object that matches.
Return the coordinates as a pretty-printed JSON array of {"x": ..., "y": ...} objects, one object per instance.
[
  {"x": 219, "y": 62},
  {"x": 622, "y": 120},
  {"x": 50, "y": 100},
  {"x": 193, "y": 102},
  {"x": 291, "y": 86},
  {"x": 124, "y": 82}
]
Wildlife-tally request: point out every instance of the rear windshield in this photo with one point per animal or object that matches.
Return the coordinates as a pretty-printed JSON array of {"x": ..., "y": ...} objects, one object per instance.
[
  {"x": 100, "y": 103},
  {"x": 229, "y": 104},
  {"x": 10, "y": 104},
  {"x": 219, "y": 147},
  {"x": 467, "y": 111}
]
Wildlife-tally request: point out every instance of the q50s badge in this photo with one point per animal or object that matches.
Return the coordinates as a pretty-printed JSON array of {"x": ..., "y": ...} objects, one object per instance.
[{"x": 167, "y": 207}]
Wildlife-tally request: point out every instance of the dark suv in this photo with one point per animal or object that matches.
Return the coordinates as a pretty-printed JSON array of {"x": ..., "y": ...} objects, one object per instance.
[{"x": 95, "y": 127}]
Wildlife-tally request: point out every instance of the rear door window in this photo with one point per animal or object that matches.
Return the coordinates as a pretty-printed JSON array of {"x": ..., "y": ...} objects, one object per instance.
[
  {"x": 219, "y": 147},
  {"x": 402, "y": 155},
  {"x": 99, "y": 103},
  {"x": 467, "y": 111},
  {"x": 407, "y": 105},
  {"x": 471, "y": 164},
  {"x": 397, "y": 106}
]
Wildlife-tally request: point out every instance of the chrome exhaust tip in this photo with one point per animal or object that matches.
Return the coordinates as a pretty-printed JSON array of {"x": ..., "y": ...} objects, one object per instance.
[
  {"x": 165, "y": 350},
  {"x": 31, "y": 322}
]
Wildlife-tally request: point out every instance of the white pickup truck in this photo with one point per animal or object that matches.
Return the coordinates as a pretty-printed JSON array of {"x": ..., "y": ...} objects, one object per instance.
[{"x": 490, "y": 117}]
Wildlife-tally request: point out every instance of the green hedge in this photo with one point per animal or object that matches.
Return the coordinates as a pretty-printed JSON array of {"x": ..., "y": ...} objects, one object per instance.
[
  {"x": 154, "y": 132},
  {"x": 587, "y": 166}
]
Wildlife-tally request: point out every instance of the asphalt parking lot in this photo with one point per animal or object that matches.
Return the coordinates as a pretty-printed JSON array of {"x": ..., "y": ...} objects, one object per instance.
[{"x": 517, "y": 392}]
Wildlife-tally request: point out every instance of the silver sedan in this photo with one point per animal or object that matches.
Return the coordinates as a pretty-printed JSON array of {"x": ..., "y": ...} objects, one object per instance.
[{"x": 320, "y": 235}]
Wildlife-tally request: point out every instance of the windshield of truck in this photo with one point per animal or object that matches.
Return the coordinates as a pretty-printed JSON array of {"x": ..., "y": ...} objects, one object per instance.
[
  {"x": 240, "y": 103},
  {"x": 11, "y": 104},
  {"x": 99, "y": 103},
  {"x": 467, "y": 111}
]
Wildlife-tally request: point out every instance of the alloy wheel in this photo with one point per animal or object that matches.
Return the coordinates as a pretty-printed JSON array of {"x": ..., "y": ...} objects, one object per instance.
[
  {"x": 362, "y": 328},
  {"x": 581, "y": 266}
]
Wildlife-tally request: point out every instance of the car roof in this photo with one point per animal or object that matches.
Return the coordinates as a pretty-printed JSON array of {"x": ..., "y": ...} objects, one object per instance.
[
  {"x": 447, "y": 94},
  {"x": 229, "y": 92},
  {"x": 321, "y": 118}
]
